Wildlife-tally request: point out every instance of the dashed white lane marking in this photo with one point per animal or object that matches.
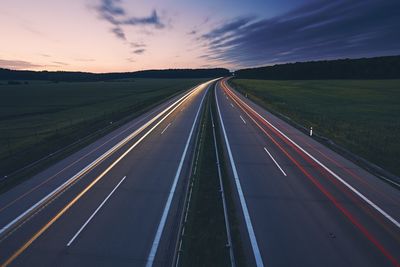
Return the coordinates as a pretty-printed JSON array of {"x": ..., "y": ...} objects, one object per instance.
[
  {"x": 95, "y": 212},
  {"x": 242, "y": 119},
  {"x": 165, "y": 128},
  {"x": 276, "y": 163}
]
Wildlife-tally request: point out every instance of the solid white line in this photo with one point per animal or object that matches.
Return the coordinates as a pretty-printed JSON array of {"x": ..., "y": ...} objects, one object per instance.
[
  {"x": 95, "y": 212},
  {"x": 250, "y": 230},
  {"x": 242, "y": 119},
  {"x": 94, "y": 163},
  {"x": 372, "y": 204},
  {"x": 161, "y": 225},
  {"x": 166, "y": 128},
  {"x": 276, "y": 163}
]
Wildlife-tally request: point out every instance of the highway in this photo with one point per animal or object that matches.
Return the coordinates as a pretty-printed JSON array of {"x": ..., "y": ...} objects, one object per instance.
[
  {"x": 116, "y": 202},
  {"x": 298, "y": 202}
]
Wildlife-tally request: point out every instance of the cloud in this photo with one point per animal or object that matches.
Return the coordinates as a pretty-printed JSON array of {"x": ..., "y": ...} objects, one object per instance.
[
  {"x": 17, "y": 64},
  {"x": 318, "y": 30},
  {"x": 231, "y": 26},
  {"x": 119, "y": 33},
  {"x": 153, "y": 20},
  {"x": 137, "y": 45},
  {"x": 109, "y": 7},
  {"x": 139, "y": 51},
  {"x": 117, "y": 16},
  {"x": 60, "y": 63}
]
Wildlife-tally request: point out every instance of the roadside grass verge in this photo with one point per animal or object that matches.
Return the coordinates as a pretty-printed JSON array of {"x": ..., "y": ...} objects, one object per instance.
[
  {"x": 39, "y": 118},
  {"x": 363, "y": 116},
  {"x": 204, "y": 235}
]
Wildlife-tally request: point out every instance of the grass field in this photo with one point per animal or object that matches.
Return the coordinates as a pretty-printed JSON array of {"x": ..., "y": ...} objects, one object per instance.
[
  {"x": 360, "y": 115},
  {"x": 40, "y": 117}
]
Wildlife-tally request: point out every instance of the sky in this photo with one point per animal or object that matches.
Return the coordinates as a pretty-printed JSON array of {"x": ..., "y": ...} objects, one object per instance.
[{"x": 131, "y": 35}]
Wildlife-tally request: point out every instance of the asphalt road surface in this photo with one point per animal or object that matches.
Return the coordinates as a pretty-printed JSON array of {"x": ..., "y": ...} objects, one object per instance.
[
  {"x": 301, "y": 204},
  {"x": 114, "y": 203},
  {"x": 117, "y": 202}
]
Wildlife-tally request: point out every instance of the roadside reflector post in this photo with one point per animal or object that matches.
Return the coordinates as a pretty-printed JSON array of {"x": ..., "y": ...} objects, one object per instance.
[{"x": 310, "y": 131}]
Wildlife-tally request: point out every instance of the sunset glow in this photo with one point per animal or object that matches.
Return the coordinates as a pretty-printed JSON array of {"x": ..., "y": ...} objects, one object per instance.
[{"x": 117, "y": 35}]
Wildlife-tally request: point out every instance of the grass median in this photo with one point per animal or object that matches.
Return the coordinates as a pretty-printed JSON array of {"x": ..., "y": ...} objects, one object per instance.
[
  {"x": 362, "y": 116},
  {"x": 204, "y": 239}
]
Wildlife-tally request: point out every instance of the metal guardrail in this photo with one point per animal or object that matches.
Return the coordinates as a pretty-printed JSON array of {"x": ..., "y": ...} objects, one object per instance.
[{"x": 226, "y": 217}]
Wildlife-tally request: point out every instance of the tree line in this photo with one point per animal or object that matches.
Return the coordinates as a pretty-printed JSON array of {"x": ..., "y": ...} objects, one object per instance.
[
  {"x": 58, "y": 76},
  {"x": 387, "y": 67}
]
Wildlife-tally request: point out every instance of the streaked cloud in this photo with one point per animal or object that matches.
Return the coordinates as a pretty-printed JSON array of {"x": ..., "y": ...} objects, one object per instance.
[
  {"x": 100, "y": 35},
  {"x": 153, "y": 20},
  {"x": 316, "y": 30},
  {"x": 119, "y": 33},
  {"x": 137, "y": 44},
  {"x": 110, "y": 7},
  {"x": 117, "y": 16},
  {"x": 228, "y": 27},
  {"x": 60, "y": 63},
  {"x": 17, "y": 64},
  {"x": 139, "y": 51}
]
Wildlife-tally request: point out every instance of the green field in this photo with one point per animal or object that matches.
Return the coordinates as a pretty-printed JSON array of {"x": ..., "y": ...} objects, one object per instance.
[
  {"x": 38, "y": 118},
  {"x": 362, "y": 116}
]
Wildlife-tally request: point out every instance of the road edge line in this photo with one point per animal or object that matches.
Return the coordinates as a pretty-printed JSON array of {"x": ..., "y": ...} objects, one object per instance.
[{"x": 249, "y": 226}]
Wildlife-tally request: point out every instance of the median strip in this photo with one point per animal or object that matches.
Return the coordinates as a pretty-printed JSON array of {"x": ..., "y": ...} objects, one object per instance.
[{"x": 205, "y": 234}]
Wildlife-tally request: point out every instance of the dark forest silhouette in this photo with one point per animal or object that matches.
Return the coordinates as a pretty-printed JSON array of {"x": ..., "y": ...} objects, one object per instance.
[
  {"x": 365, "y": 68},
  {"x": 58, "y": 76},
  {"x": 387, "y": 67}
]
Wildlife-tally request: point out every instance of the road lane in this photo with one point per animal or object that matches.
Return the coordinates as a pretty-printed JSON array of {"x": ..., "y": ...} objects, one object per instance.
[
  {"x": 149, "y": 169},
  {"x": 160, "y": 228},
  {"x": 36, "y": 208},
  {"x": 95, "y": 212},
  {"x": 307, "y": 218},
  {"x": 20, "y": 198}
]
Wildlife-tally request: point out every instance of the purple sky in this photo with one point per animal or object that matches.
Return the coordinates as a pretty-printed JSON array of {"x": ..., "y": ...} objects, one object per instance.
[{"x": 128, "y": 35}]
